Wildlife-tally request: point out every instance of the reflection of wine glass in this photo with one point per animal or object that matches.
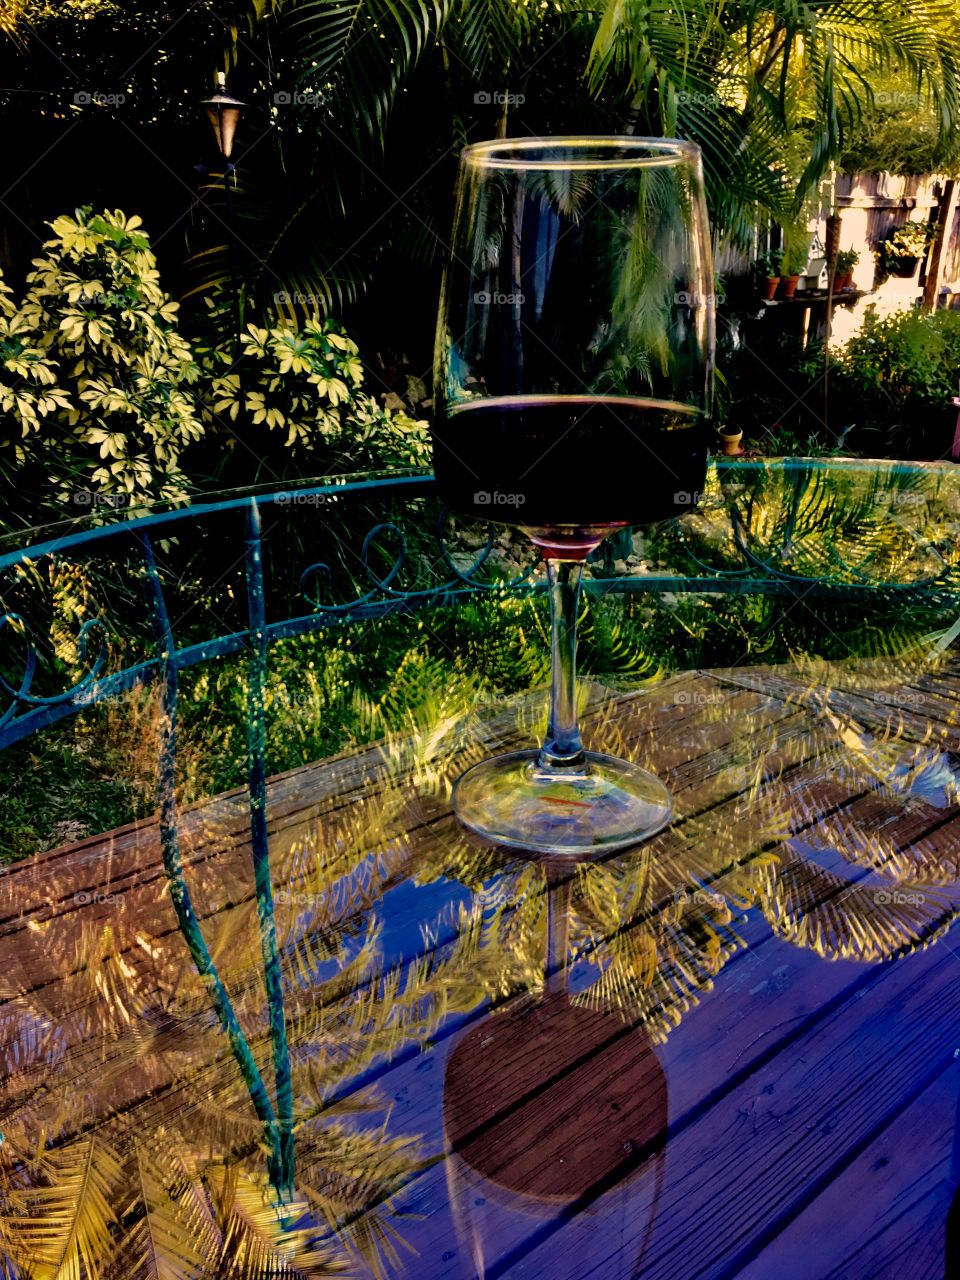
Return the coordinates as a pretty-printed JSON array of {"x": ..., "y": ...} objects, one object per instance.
[
  {"x": 572, "y": 388},
  {"x": 555, "y": 1118}
]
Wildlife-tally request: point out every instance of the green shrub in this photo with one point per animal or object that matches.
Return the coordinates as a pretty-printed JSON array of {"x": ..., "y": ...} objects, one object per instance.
[
  {"x": 895, "y": 380},
  {"x": 305, "y": 387},
  {"x": 101, "y": 396},
  {"x": 95, "y": 308}
]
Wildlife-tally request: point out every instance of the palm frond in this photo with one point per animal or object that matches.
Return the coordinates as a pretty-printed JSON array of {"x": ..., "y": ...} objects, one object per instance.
[
  {"x": 258, "y": 1238},
  {"x": 63, "y": 1228},
  {"x": 173, "y": 1234}
]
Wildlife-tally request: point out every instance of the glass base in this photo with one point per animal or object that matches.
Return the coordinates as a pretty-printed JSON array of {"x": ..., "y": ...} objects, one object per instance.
[{"x": 609, "y": 804}]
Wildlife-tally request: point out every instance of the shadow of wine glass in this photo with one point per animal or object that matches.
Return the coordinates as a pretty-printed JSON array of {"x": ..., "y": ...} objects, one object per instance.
[{"x": 557, "y": 1112}]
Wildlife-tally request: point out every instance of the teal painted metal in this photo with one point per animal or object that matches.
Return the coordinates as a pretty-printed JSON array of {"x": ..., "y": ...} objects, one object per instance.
[
  {"x": 758, "y": 572},
  {"x": 257, "y": 797},
  {"x": 179, "y": 890}
]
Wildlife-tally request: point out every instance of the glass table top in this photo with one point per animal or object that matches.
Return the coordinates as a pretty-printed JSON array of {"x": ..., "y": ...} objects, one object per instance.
[{"x": 381, "y": 1047}]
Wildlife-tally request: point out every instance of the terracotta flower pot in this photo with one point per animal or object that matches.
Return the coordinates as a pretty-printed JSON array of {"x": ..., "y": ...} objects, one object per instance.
[
  {"x": 843, "y": 280},
  {"x": 730, "y": 443},
  {"x": 788, "y": 286},
  {"x": 770, "y": 287}
]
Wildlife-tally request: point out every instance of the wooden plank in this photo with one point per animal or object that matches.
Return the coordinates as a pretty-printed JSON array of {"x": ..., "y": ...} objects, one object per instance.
[
  {"x": 724, "y": 749},
  {"x": 664, "y": 854},
  {"x": 885, "y": 1215},
  {"x": 794, "y": 1120}
]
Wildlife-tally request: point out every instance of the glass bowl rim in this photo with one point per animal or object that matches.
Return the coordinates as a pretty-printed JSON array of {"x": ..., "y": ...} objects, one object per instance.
[{"x": 532, "y": 152}]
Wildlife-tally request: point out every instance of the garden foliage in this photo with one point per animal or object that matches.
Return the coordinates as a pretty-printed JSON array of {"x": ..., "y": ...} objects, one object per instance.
[{"x": 101, "y": 395}]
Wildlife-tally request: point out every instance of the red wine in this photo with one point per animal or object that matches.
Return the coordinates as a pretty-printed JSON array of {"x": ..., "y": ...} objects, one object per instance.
[{"x": 570, "y": 468}]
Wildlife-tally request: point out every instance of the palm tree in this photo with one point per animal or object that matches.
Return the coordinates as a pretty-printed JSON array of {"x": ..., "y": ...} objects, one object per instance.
[{"x": 356, "y": 192}]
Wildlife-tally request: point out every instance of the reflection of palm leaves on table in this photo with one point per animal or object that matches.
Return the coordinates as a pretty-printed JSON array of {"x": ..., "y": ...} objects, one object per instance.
[
  {"x": 186, "y": 1181},
  {"x": 176, "y": 1171},
  {"x": 660, "y": 924},
  {"x": 166, "y": 1175},
  {"x": 842, "y": 527},
  {"x": 860, "y": 528}
]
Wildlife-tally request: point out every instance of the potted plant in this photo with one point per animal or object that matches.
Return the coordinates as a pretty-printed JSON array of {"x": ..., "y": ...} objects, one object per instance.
[
  {"x": 903, "y": 249},
  {"x": 847, "y": 259},
  {"x": 794, "y": 262},
  {"x": 730, "y": 438},
  {"x": 767, "y": 267}
]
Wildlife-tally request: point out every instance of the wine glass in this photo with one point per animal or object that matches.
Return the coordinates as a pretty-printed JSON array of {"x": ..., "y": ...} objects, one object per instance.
[{"x": 572, "y": 393}]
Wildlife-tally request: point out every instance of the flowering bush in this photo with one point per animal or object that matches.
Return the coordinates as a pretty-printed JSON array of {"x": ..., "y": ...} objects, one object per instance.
[{"x": 28, "y": 379}]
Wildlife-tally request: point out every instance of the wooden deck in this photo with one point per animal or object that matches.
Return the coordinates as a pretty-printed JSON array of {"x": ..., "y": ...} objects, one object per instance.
[{"x": 755, "y": 1072}]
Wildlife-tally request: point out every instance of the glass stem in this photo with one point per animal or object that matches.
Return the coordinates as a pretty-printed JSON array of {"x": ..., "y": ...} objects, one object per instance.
[
  {"x": 559, "y": 893},
  {"x": 563, "y": 749}
]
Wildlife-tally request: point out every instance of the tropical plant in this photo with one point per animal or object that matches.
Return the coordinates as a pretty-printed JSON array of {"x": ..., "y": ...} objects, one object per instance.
[
  {"x": 896, "y": 378},
  {"x": 847, "y": 259},
  {"x": 123, "y": 412},
  {"x": 898, "y": 132},
  {"x": 28, "y": 382},
  {"x": 305, "y": 386},
  {"x": 796, "y": 253}
]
